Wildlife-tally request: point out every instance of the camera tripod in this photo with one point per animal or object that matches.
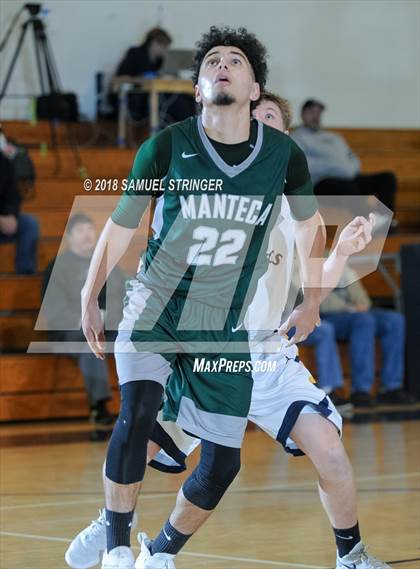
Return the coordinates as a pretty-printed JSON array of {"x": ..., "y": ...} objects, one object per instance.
[{"x": 49, "y": 79}]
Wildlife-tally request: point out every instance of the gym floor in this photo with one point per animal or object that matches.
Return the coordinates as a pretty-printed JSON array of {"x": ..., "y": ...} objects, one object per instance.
[{"x": 271, "y": 517}]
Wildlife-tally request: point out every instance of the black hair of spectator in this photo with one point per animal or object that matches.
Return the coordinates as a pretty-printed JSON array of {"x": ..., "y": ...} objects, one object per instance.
[
  {"x": 77, "y": 218},
  {"x": 312, "y": 103},
  {"x": 246, "y": 41},
  {"x": 158, "y": 35}
]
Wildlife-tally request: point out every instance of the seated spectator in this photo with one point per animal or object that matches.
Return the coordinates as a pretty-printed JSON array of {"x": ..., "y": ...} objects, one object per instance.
[
  {"x": 62, "y": 284},
  {"x": 16, "y": 227},
  {"x": 350, "y": 312},
  {"x": 147, "y": 59},
  {"x": 334, "y": 168}
]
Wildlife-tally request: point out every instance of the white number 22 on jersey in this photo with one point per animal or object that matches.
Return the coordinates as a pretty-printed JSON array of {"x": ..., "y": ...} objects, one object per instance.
[{"x": 203, "y": 253}]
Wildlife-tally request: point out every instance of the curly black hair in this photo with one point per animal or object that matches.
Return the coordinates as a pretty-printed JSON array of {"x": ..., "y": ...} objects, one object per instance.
[{"x": 240, "y": 38}]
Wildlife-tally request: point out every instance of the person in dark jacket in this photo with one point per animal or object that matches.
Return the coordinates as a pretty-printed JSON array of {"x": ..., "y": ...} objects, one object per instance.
[
  {"x": 147, "y": 59},
  {"x": 16, "y": 227}
]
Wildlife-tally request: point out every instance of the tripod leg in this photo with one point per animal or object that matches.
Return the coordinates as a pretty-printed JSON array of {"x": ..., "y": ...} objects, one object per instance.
[
  {"x": 13, "y": 61},
  {"x": 48, "y": 85},
  {"x": 55, "y": 87},
  {"x": 41, "y": 71},
  {"x": 52, "y": 66}
]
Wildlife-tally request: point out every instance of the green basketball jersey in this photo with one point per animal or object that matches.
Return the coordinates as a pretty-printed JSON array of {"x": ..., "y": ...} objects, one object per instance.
[{"x": 212, "y": 220}]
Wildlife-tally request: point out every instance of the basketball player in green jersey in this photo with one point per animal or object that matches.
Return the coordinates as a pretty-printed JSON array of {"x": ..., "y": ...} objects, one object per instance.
[
  {"x": 86, "y": 548},
  {"x": 201, "y": 266}
]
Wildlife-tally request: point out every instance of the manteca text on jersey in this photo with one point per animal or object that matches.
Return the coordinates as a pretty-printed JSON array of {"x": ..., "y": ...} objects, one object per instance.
[{"x": 225, "y": 206}]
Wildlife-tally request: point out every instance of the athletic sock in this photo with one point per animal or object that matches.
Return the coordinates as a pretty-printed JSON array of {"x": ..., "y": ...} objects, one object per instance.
[
  {"x": 169, "y": 540},
  {"x": 346, "y": 539},
  {"x": 118, "y": 529}
]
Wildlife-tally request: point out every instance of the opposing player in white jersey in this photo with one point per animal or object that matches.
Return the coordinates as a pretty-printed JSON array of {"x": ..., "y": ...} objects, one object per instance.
[{"x": 285, "y": 402}]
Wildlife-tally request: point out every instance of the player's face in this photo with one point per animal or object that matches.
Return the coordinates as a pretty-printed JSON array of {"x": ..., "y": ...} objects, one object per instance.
[
  {"x": 226, "y": 77},
  {"x": 269, "y": 113},
  {"x": 82, "y": 239},
  {"x": 312, "y": 117}
]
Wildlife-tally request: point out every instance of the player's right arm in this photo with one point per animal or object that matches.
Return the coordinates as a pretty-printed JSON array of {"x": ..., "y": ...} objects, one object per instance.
[
  {"x": 112, "y": 244},
  {"x": 151, "y": 162}
]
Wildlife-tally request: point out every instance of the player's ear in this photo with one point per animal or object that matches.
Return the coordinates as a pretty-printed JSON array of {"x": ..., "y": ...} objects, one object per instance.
[
  {"x": 255, "y": 91},
  {"x": 197, "y": 94}
]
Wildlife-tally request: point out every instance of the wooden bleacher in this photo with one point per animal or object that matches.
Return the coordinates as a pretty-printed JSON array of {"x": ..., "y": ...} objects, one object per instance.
[
  {"x": 45, "y": 387},
  {"x": 50, "y": 386}
]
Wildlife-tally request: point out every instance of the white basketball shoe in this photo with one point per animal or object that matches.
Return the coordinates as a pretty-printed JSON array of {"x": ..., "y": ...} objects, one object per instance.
[
  {"x": 86, "y": 549},
  {"x": 359, "y": 558},
  {"x": 120, "y": 557},
  {"x": 148, "y": 561}
]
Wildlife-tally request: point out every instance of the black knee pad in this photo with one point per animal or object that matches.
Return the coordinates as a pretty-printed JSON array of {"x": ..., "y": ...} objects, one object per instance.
[
  {"x": 216, "y": 471},
  {"x": 127, "y": 450}
]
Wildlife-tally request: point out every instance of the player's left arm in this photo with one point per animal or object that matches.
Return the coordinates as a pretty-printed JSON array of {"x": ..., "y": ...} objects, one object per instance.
[
  {"x": 310, "y": 237},
  {"x": 353, "y": 239}
]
